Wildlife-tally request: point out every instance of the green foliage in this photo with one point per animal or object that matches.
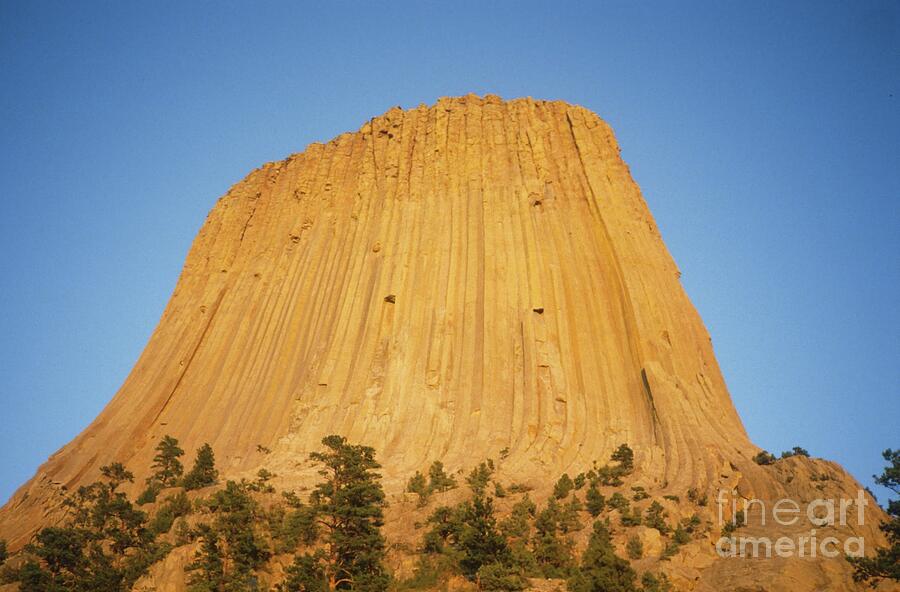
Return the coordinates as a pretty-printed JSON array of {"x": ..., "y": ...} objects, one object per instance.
[
  {"x": 306, "y": 574},
  {"x": 519, "y": 488},
  {"x": 618, "y": 502},
  {"x": 498, "y": 576},
  {"x": 175, "y": 506},
  {"x": 736, "y": 522},
  {"x": 764, "y": 458},
  {"x": 652, "y": 583},
  {"x": 231, "y": 550},
  {"x": 480, "y": 476},
  {"x": 166, "y": 464},
  {"x": 446, "y": 527},
  {"x": 656, "y": 518},
  {"x": 294, "y": 528},
  {"x": 419, "y": 485},
  {"x": 569, "y": 521},
  {"x": 552, "y": 553},
  {"x": 203, "y": 473},
  {"x": 601, "y": 569},
  {"x": 207, "y": 571},
  {"x": 438, "y": 480},
  {"x": 680, "y": 536},
  {"x": 696, "y": 497},
  {"x": 672, "y": 498},
  {"x": 149, "y": 495},
  {"x": 625, "y": 457},
  {"x": 795, "y": 451},
  {"x": 885, "y": 564},
  {"x": 349, "y": 504},
  {"x": 635, "y": 548},
  {"x": 517, "y": 524},
  {"x": 499, "y": 490},
  {"x": 632, "y": 518},
  {"x": 580, "y": 480},
  {"x": 105, "y": 546},
  {"x": 480, "y": 541},
  {"x": 563, "y": 487},
  {"x": 261, "y": 483},
  {"x": 639, "y": 493},
  {"x": 4, "y": 553},
  {"x": 595, "y": 500}
]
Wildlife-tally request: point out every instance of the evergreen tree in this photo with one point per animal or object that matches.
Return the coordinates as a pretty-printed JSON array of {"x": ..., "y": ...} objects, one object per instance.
[
  {"x": 885, "y": 564},
  {"x": 4, "y": 553},
  {"x": 105, "y": 546},
  {"x": 208, "y": 571},
  {"x": 349, "y": 503},
  {"x": 563, "y": 486},
  {"x": 625, "y": 457},
  {"x": 204, "y": 471},
  {"x": 601, "y": 570},
  {"x": 168, "y": 467},
  {"x": 551, "y": 552},
  {"x": 594, "y": 500},
  {"x": 305, "y": 574},
  {"x": 480, "y": 540},
  {"x": 438, "y": 480}
]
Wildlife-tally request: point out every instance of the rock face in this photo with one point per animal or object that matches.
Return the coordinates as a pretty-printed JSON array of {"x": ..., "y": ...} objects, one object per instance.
[{"x": 447, "y": 282}]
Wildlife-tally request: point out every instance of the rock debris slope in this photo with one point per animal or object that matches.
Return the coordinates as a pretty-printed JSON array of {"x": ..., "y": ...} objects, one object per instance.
[{"x": 447, "y": 282}]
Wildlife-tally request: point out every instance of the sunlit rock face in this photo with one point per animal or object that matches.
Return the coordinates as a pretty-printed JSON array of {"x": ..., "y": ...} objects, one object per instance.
[{"x": 447, "y": 282}]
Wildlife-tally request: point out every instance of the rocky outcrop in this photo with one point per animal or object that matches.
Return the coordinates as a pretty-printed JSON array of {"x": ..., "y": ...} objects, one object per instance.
[{"x": 447, "y": 282}]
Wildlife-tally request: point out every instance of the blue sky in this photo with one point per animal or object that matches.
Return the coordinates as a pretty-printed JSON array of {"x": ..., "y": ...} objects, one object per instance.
[{"x": 765, "y": 137}]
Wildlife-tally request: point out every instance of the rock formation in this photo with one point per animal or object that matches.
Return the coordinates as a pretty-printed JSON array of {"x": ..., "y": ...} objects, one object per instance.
[{"x": 447, "y": 282}]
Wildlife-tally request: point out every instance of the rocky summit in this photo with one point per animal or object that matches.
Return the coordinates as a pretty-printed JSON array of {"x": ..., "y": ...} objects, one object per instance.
[{"x": 477, "y": 279}]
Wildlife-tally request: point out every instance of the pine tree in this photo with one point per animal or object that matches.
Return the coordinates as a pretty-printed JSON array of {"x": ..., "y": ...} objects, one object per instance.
[
  {"x": 204, "y": 471},
  {"x": 349, "y": 503},
  {"x": 885, "y": 564},
  {"x": 594, "y": 500},
  {"x": 601, "y": 569},
  {"x": 480, "y": 541},
  {"x": 3, "y": 552},
  {"x": 168, "y": 467},
  {"x": 563, "y": 486}
]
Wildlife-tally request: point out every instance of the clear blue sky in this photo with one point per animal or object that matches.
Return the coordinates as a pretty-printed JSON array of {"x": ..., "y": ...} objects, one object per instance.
[{"x": 765, "y": 136}]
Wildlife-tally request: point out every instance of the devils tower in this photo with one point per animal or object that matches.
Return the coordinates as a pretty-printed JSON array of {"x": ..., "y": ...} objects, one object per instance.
[{"x": 448, "y": 282}]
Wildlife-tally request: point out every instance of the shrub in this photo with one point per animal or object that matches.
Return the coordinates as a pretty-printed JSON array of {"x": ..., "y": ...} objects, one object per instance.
[
  {"x": 148, "y": 496},
  {"x": 497, "y": 576},
  {"x": 632, "y": 518},
  {"x": 655, "y": 518},
  {"x": 652, "y": 583},
  {"x": 618, "y": 501},
  {"x": 764, "y": 458},
  {"x": 639, "y": 493},
  {"x": 635, "y": 548},
  {"x": 795, "y": 451}
]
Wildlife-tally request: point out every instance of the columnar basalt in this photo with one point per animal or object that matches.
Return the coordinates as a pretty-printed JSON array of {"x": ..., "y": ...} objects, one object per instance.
[{"x": 447, "y": 282}]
